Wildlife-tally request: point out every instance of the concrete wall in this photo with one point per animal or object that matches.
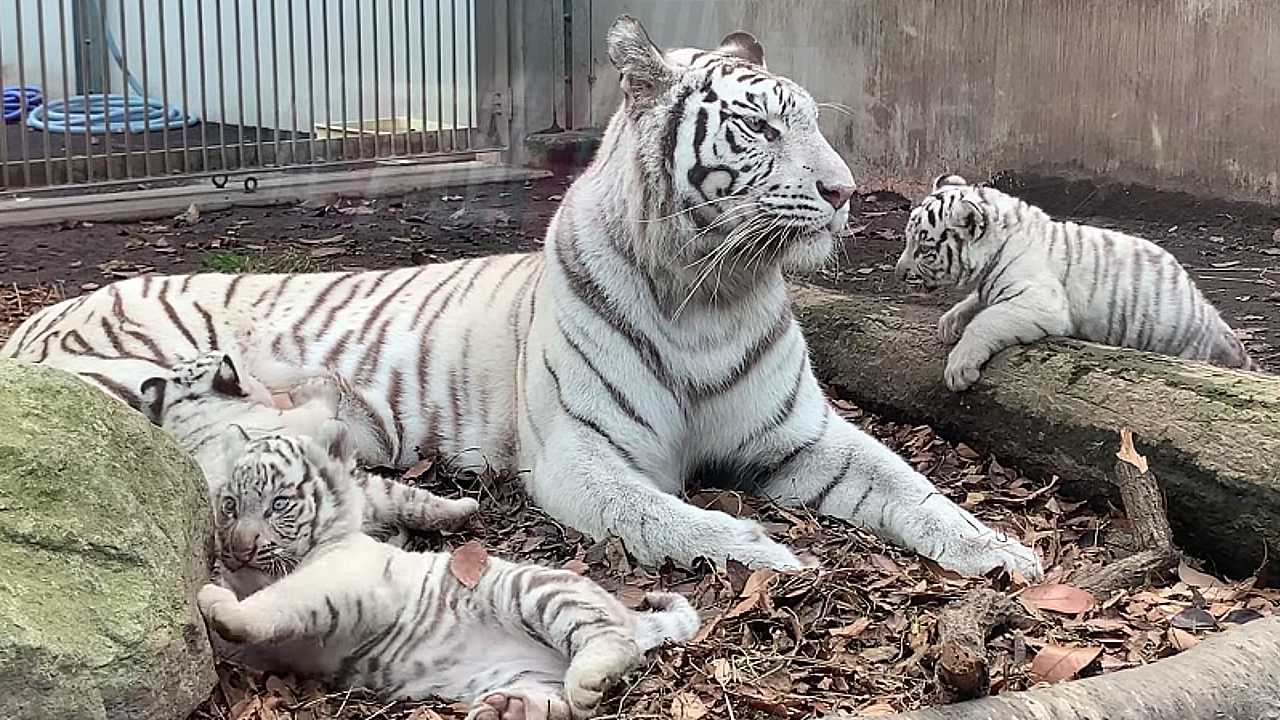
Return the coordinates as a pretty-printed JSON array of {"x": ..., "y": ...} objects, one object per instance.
[{"x": 1178, "y": 94}]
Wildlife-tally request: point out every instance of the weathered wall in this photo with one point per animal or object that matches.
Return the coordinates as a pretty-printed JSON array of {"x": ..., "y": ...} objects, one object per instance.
[{"x": 1178, "y": 94}]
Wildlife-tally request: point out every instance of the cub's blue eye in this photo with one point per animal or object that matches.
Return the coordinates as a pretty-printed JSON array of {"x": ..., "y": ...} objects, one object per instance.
[
  {"x": 280, "y": 504},
  {"x": 228, "y": 506}
]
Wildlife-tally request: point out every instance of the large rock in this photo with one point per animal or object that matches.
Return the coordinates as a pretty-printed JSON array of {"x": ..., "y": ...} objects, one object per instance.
[{"x": 103, "y": 543}]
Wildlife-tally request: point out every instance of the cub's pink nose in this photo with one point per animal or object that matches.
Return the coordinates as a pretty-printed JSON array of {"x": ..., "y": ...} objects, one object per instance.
[{"x": 835, "y": 195}]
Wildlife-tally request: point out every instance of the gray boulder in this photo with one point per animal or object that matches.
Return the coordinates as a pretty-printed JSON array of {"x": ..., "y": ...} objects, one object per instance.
[{"x": 103, "y": 544}]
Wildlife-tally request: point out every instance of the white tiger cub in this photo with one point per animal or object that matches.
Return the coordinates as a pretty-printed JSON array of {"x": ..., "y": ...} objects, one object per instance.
[
  {"x": 200, "y": 398},
  {"x": 525, "y": 642},
  {"x": 648, "y": 348},
  {"x": 1034, "y": 277}
]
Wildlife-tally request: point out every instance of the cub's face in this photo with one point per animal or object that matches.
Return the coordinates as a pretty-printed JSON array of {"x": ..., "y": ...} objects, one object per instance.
[
  {"x": 940, "y": 234},
  {"x": 207, "y": 375},
  {"x": 283, "y": 497},
  {"x": 737, "y": 146}
]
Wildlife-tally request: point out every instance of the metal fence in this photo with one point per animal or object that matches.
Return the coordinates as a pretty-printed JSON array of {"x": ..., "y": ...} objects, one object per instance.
[{"x": 104, "y": 92}]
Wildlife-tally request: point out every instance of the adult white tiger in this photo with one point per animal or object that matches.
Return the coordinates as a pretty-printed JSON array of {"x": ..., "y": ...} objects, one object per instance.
[{"x": 608, "y": 365}]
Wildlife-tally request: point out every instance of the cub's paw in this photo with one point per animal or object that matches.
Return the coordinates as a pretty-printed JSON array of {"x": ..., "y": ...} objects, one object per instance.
[
  {"x": 963, "y": 369},
  {"x": 520, "y": 704},
  {"x": 211, "y": 596},
  {"x": 454, "y": 513},
  {"x": 324, "y": 389},
  {"x": 592, "y": 674},
  {"x": 951, "y": 325}
]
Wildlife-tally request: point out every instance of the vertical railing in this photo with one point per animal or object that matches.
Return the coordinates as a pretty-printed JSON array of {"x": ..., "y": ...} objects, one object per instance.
[{"x": 107, "y": 93}]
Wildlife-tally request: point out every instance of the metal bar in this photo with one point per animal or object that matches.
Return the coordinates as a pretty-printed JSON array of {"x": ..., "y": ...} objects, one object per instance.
[
  {"x": 257, "y": 80},
  {"x": 81, "y": 20},
  {"x": 164, "y": 87},
  {"x": 204, "y": 87},
  {"x": 44, "y": 88},
  {"x": 106, "y": 89},
  {"x": 146, "y": 92},
  {"x": 342, "y": 71},
  {"x": 377, "y": 125},
  {"x": 328, "y": 83},
  {"x": 182, "y": 69},
  {"x": 4, "y": 142},
  {"x": 471, "y": 80},
  {"x": 239, "y": 88},
  {"x": 24, "y": 137},
  {"x": 453, "y": 64},
  {"x": 311, "y": 86},
  {"x": 293, "y": 87},
  {"x": 275, "y": 74},
  {"x": 66, "y": 83},
  {"x": 422, "y": 56},
  {"x": 391, "y": 73},
  {"x": 408, "y": 80},
  {"x": 222, "y": 87},
  {"x": 360, "y": 88},
  {"x": 126, "y": 91},
  {"x": 439, "y": 80}
]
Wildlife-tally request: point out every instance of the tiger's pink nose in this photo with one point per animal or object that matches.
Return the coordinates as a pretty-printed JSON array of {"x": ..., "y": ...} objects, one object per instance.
[{"x": 835, "y": 195}]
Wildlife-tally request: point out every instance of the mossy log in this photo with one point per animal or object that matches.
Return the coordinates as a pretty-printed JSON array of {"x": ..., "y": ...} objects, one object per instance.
[{"x": 1054, "y": 408}]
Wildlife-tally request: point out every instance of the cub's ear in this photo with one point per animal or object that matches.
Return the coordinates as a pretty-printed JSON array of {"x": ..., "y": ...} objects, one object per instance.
[
  {"x": 226, "y": 380},
  {"x": 645, "y": 73},
  {"x": 745, "y": 46},
  {"x": 234, "y": 441},
  {"x": 153, "y": 398},
  {"x": 947, "y": 179},
  {"x": 335, "y": 438}
]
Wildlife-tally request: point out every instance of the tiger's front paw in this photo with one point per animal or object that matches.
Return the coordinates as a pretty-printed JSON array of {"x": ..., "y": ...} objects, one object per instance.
[
  {"x": 752, "y": 546},
  {"x": 993, "y": 551},
  {"x": 215, "y": 603},
  {"x": 963, "y": 369}
]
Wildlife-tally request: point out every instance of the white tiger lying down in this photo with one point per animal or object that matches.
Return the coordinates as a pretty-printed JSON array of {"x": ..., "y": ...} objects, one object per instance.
[
  {"x": 525, "y": 642},
  {"x": 199, "y": 398},
  {"x": 1034, "y": 277},
  {"x": 649, "y": 347}
]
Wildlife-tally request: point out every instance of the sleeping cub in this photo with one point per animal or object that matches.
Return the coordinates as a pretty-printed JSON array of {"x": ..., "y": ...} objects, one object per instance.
[
  {"x": 523, "y": 641},
  {"x": 1034, "y": 278}
]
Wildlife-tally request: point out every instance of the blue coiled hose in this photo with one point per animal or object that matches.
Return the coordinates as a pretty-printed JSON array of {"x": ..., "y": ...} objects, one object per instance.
[
  {"x": 13, "y": 101},
  {"x": 99, "y": 114}
]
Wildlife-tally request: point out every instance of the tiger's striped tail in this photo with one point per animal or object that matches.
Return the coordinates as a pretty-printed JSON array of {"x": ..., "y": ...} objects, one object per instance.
[{"x": 671, "y": 618}]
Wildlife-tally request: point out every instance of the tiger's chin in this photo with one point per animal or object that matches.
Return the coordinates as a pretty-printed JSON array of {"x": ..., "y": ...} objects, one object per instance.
[{"x": 809, "y": 252}]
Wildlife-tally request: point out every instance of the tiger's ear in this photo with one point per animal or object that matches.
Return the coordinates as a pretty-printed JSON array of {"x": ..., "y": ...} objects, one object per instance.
[
  {"x": 234, "y": 441},
  {"x": 744, "y": 45},
  {"x": 153, "y": 398},
  {"x": 645, "y": 73},
  {"x": 336, "y": 441},
  {"x": 971, "y": 218},
  {"x": 947, "y": 179},
  {"x": 226, "y": 380}
]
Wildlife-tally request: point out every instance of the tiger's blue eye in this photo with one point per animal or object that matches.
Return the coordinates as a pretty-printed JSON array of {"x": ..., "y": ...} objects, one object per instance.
[{"x": 280, "y": 504}]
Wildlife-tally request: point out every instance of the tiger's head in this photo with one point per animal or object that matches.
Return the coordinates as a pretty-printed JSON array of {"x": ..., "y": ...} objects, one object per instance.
[
  {"x": 208, "y": 375},
  {"x": 284, "y": 496},
  {"x": 944, "y": 234},
  {"x": 728, "y": 152}
]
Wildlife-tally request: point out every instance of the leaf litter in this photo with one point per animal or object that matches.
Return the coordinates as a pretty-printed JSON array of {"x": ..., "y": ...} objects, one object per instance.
[{"x": 857, "y": 634}]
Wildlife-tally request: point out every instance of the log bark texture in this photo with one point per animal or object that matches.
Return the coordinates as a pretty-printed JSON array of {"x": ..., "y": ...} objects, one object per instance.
[
  {"x": 1053, "y": 408},
  {"x": 1234, "y": 675}
]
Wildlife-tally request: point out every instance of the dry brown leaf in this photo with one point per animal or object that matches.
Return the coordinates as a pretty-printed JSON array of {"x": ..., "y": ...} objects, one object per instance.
[
  {"x": 687, "y": 706},
  {"x": 1182, "y": 640},
  {"x": 1054, "y": 663},
  {"x": 885, "y": 564},
  {"x": 1197, "y": 579},
  {"x": 754, "y": 593},
  {"x": 468, "y": 563},
  {"x": 1058, "y": 598},
  {"x": 854, "y": 629},
  {"x": 879, "y": 708},
  {"x": 418, "y": 470},
  {"x": 1128, "y": 453},
  {"x": 575, "y": 566}
]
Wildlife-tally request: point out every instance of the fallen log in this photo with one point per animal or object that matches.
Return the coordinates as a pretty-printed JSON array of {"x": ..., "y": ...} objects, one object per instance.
[
  {"x": 1052, "y": 408},
  {"x": 1232, "y": 675}
]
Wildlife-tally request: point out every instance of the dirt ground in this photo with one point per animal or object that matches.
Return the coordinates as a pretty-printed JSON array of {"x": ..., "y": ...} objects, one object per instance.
[{"x": 858, "y": 634}]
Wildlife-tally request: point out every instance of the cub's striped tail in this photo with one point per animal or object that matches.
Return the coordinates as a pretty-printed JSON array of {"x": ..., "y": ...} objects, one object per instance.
[{"x": 671, "y": 619}]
